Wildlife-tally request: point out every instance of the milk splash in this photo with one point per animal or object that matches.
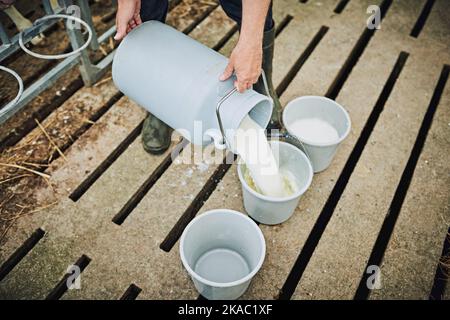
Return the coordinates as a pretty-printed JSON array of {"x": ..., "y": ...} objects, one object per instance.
[{"x": 262, "y": 170}]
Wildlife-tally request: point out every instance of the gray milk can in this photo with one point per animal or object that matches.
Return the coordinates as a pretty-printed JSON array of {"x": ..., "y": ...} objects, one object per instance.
[{"x": 177, "y": 79}]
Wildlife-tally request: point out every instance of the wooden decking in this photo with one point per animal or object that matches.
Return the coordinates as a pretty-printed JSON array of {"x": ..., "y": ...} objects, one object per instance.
[{"x": 118, "y": 212}]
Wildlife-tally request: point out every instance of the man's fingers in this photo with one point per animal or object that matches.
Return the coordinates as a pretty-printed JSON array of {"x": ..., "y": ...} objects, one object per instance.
[
  {"x": 242, "y": 86},
  {"x": 121, "y": 28},
  {"x": 138, "y": 19},
  {"x": 127, "y": 17},
  {"x": 228, "y": 72},
  {"x": 237, "y": 86}
]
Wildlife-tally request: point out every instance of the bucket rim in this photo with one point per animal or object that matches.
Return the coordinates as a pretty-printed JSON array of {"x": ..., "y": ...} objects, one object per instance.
[
  {"x": 318, "y": 144},
  {"x": 297, "y": 194},
  {"x": 238, "y": 282}
]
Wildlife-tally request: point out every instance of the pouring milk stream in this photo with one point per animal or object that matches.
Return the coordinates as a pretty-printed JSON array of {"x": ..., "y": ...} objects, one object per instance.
[{"x": 263, "y": 173}]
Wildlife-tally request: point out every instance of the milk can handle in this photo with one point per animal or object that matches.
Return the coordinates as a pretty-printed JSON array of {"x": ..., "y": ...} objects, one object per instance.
[{"x": 229, "y": 94}]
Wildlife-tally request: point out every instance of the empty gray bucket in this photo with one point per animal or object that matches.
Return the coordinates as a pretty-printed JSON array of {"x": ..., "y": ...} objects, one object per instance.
[{"x": 222, "y": 250}]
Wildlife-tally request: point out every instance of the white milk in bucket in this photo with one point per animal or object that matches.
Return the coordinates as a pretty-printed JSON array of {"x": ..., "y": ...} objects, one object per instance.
[{"x": 263, "y": 173}]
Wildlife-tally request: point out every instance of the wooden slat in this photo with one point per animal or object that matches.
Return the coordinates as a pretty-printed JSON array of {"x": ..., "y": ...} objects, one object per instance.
[
  {"x": 339, "y": 260},
  {"x": 72, "y": 227},
  {"x": 140, "y": 235},
  {"x": 437, "y": 26},
  {"x": 415, "y": 247},
  {"x": 406, "y": 14},
  {"x": 211, "y": 31},
  {"x": 83, "y": 157}
]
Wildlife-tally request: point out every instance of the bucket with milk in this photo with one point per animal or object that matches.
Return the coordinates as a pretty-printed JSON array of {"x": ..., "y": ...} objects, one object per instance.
[
  {"x": 321, "y": 124},
  {"x": 280, "y": 195},
  {"x": 222, "y": 250}
]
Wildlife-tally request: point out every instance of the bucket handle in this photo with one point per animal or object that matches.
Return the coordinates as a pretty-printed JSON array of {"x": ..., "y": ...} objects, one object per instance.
[
  {"x": 289, "y": 138},
  {"x": 229, "y": 94}
]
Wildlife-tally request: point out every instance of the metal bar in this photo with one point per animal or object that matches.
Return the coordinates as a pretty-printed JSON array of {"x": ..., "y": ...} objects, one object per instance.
[
  {"x": 4, "y": 36},
  {"x": 37, "y": 87},
  {"x": 109, "y": 33},
  {"x": 7, "y": 50},
  {"x": 219, "y": 118},
  {"x": 86, "y": 15},
  {"x": 106, "y": 61},
  {"x": 87, "y": 69},
  {"x": 89, "y": 72},
  {"x": 47, "y": 7}
]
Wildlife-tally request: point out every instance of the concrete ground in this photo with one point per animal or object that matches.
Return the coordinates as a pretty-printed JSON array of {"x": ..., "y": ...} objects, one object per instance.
[{"x": 383, "y": 201}]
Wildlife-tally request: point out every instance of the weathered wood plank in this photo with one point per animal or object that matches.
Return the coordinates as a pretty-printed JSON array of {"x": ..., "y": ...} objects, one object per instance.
[
  {"x": 406, "y": 14},
  {"x": 72, "y": 227},
  {"x": 340, "y": 258},
  {"x": 82, "y": 158},
  {"x": 437, "y": 26},
  {"x": 161, "y": 275},
  {"x": 412, "y": 256}
]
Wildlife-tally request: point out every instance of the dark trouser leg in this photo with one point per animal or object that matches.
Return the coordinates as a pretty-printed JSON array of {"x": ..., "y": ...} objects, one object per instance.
[
  {"x": 156, "y": 135},
  {"x": 268, "y": 49},
  {"x": 154, "y": 10},
  {"x": 233, "y": 8}
]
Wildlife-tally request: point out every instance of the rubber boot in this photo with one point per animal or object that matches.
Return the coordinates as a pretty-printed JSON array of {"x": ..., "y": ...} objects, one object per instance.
[
  {"x": 156, "y": 135},
  {"x": 268, "y": 47}
]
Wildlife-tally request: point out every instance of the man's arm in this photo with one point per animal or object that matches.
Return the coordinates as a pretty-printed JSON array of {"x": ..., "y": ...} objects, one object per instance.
[
  {"x": 246, "y": 58},
  {"x": 127, "y": 17}
]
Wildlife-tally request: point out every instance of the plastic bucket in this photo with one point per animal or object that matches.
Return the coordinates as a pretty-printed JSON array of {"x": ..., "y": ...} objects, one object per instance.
[
  {"x": 272, "y": 210},
  {"x": 320, "y": 154},
  {"x": 222, "y": 250}
]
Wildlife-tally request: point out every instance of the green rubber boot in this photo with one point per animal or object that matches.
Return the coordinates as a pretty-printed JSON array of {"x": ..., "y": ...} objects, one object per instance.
[
  {"x": 156, "y": 135},
  {"x": 268, "y": 46}
]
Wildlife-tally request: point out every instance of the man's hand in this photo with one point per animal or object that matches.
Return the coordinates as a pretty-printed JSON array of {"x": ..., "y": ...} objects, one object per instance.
[
  {"x": 246, "y": 58},
  {"x": 245, "y": 61},
  {"x": 127, "y": 17}
]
